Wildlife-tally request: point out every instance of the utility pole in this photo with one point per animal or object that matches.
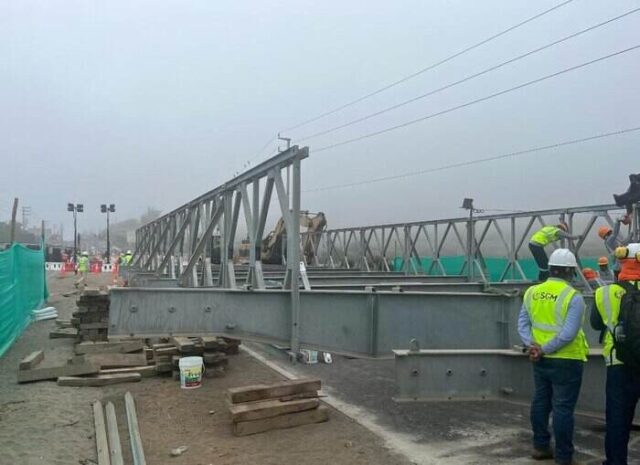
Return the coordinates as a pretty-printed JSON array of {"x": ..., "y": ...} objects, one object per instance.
[
  {"x": 26, "y": 212},
  {"x": 14, "y": 212}
]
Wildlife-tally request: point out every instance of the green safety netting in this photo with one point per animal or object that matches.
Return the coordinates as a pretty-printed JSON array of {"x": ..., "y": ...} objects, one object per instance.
[
  {"x": 494, "y": 266},
  {"x": 23, "y": 288}
]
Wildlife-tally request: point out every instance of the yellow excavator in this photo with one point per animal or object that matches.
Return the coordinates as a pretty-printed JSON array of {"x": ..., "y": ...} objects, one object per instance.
[{"x": 271, "y": 248}]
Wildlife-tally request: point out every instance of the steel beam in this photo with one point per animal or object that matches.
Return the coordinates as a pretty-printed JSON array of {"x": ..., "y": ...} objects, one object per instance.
[
  {"x": 369, "y": 324},
  {"x": 441, "y": 375}
]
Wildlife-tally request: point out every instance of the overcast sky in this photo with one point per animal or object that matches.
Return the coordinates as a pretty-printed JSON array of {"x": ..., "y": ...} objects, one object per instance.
[{"x": 148, "y": 103}]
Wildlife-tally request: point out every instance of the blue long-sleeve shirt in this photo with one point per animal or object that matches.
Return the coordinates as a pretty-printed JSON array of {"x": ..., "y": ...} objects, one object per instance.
[{"x": 569, "y": 331}]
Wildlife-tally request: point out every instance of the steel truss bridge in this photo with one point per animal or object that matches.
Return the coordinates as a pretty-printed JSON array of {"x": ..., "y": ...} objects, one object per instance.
[{"x": 464, "y": 327}]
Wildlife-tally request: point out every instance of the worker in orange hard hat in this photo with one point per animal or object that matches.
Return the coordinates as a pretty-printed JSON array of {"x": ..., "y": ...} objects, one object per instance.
[
  {"x": 592, "y": 278},
  {"x": 612, "y": 239},
  {"x": 606, "y": 275}
]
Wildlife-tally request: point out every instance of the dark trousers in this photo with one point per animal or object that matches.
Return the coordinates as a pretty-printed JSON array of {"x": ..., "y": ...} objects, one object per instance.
[
  {"x": 623, "y": 391},
  {"x": 540, "y": 256},
  {"x": 557, "y": 385}
]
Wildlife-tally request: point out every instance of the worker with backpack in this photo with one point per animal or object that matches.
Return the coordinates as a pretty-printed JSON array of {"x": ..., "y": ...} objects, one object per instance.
[{"x": 616, "y": 314}]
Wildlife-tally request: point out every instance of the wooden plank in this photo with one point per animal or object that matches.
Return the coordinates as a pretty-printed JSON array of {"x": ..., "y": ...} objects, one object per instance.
[
  {"x": 212, "y": 343},
  {"x": 137, "y": 451},
  {"x": 145, "y": 371},
  {"x": 63, "y": 323},
  {"x": 115, "y": 450},
  {"x": 213, "y": 357},
  {"x": 102, "y": 445},
  {"x": 40, "y": 374},
  {"x": 244, "y": 428},
  {"x": 100, "y": 380},
  {"x": 117, "y": 360},
  {"x": 270, "y": 391},
  {"x": 184, "y": 344},
  {"x": 70, "y": 333},
  {"x": 109, "y": 347},
  {"x": 270, "y": 408},
  {"x": 96, "y": 325},
  {"x": 31, "y": 360},
  {"x": 173, "y": 350}
]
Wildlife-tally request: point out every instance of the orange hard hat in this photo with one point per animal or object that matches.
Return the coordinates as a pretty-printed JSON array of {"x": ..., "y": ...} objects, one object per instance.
[
  {"x": 588, "y": 274},
  {"x": 604, "y": 231},
  {"x": 603, "y": 261}
]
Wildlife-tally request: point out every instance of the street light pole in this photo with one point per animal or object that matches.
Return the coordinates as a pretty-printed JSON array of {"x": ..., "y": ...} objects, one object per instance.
[
  {"x": 111, "y": 208},
  {"x": 75, "y": 208}
]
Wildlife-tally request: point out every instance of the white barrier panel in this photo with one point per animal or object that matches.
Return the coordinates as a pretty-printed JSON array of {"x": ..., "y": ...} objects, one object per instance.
[
  {"x": 107, "y": 268},
  {"x": 53, "y": 266}
]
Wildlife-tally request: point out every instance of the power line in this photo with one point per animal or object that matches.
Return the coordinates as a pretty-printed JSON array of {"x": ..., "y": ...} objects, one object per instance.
[
  {"x": 428, "y": 68},
  {"x": 468, "y": 78},
  {"x": 479, "y": 100},
  {"x": 478, "y": 161}
]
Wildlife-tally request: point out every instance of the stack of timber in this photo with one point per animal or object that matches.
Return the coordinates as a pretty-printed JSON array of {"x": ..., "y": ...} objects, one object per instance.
[
  {"x": 213, "y": 350},
  {"x": 91, "y": 319},
  {"x": 258, "y": 408}
]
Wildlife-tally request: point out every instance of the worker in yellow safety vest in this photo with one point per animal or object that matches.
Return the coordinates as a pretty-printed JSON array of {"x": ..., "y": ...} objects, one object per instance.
[
  {"x": 542, "y": 238},
  {"x": 83, "y": 269},
  {"x": 623, "y": 381},
  {"x": 128, "y": 257},
  {"x": 550, "y": 325}
]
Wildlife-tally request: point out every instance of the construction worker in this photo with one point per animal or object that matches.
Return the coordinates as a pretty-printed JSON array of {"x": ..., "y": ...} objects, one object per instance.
[
  {"x": 623, "y": 383},
  {"x": 542, "y": 238},
  {"x": 82, "y": 268},
  {"x": 128, "y": 257},
  {"x": 550, "y": 325},
  {"x": 612, "y": 239},
  {"x": 606, "y": 275},
  {"x": 592, "y": 278}
]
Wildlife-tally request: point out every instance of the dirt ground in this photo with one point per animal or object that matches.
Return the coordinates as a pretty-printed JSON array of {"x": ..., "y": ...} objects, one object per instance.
[{"x": 41, "y": 423}]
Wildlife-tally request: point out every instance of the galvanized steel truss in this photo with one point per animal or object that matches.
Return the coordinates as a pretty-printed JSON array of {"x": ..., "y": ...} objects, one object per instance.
[
  {"x": 505, "y": 235},
  {"x": 187, "y": 234}
]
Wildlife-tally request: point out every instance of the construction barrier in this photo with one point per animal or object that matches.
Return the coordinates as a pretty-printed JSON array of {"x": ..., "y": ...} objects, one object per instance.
[
  {"x": 94, "y": 268},
  {"x": 54, "y": 266}
]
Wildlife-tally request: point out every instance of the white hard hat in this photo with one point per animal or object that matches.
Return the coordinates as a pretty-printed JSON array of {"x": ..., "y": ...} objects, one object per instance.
[{"x": 564, "y": 258}]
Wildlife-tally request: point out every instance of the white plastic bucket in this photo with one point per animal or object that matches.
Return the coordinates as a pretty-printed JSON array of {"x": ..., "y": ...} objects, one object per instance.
[{"x": 191, "y": 369}]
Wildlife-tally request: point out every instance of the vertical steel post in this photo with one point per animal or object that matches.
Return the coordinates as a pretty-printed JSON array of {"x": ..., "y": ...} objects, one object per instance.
[{"x": 294, "y": 256}]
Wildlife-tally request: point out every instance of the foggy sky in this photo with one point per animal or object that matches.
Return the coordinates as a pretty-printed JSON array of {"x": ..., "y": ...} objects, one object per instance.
[{"x": 146, "y": 103}]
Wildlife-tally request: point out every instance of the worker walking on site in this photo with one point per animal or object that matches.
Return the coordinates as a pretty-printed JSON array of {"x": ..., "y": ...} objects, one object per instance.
[
  {"x": 82, "y": 268},
  {"x": 612, "y": 240},
  {"x": 542, "y": 238},
  {"x": 616, "y": 313},
  {"x": 550, "y": 324}
]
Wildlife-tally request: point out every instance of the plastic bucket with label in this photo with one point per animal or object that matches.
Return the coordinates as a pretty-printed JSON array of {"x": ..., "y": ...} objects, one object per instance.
[{"x": 191, "y": 369}]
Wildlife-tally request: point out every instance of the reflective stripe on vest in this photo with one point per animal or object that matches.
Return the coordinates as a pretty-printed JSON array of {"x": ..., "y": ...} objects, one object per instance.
[
  {"x": 547, "y": 305},
  {"x": 545, "y": 236},
  {"x": 608, "y": 300}
]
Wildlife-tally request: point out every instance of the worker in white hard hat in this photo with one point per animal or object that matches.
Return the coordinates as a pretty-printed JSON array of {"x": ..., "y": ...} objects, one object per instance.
[
  {"x": 83, "y": 269},
  {"x": 550, "y": 325}
]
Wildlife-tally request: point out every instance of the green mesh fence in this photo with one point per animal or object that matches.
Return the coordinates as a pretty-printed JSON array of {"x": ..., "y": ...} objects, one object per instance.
[
  {"x": 23, "y": 288},
  {"x": 495, "y": 266}
]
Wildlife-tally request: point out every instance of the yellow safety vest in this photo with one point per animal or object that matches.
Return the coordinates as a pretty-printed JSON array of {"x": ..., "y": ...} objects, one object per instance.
[
  {"x": 545, "y": 236},
  {"x": 83, "y": 264},
  {"x": 547, "y": 305},
  {"x": 608, "y": 300}
]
